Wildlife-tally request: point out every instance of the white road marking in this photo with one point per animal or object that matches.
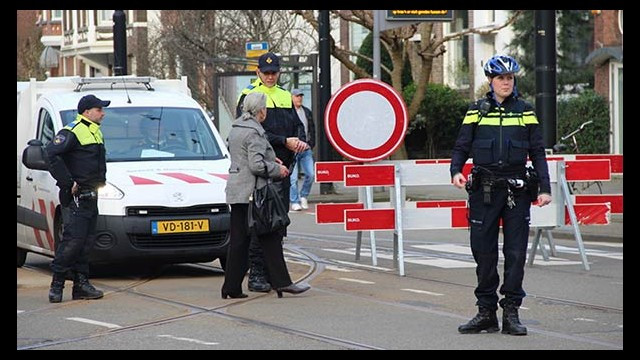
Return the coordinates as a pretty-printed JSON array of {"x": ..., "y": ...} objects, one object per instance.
[
  {"x": 524, "y": 308},
  {"x": 584, "y": 319},
  {"x": 189, "y": 340},
  {"x": 338, "y": 268},
  {"x": 450, "y": 248},
  {"x": 94, "y": 322},
  {"x": 590, "y": 252},
  {"x": 420, "y": 260},
  {"x": 362, "y": 265},
  {"x": 20, "y": 311},
  {"x": 289, "y": 260},
  {"x": 423, "y": 292},
  {"x": 357, "y": 281}
]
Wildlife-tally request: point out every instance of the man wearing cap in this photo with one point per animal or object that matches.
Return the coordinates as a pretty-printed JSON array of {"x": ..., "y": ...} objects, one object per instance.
[
  {"x": 305, "y": 158},
  {"x": 77, "y": 162},
  {"x": 285, "y": 132}
]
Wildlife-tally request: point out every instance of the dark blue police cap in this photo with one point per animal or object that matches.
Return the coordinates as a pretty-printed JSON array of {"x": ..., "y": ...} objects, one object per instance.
[
  {"x": 90, "y": 101},
  {"x": 269, "y": 62}
]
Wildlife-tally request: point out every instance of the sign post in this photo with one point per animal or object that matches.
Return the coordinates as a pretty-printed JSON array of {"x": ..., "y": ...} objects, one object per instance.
[{"x": 366, "y": 120}]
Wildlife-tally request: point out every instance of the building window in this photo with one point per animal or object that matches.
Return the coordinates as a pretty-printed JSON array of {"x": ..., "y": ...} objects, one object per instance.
[
  {"x": 105, "y": 17},
  {"x": 458, "y": 66},
  {"x": 56, "y": 15}
]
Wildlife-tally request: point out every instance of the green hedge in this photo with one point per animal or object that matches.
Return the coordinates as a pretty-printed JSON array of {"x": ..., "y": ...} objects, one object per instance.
[
  {"x": 589, "y": 105},
  {"x": 433, "y": 132}
]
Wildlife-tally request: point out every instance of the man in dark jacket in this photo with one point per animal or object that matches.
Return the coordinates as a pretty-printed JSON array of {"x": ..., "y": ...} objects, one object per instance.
[
  {"x": 305, "y": 159},
  {"x": 501, "y": 131},
  {"x": 286, "y": 135},
  {"x": 77, "y": 161}
]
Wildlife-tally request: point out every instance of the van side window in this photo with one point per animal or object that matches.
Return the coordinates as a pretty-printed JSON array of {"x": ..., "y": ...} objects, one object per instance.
[{"x": 46, "y": 132}]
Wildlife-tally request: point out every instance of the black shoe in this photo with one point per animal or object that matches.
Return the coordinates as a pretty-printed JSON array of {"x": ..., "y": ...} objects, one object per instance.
[
  {"x": 83, "y": 290},
  {"x": 292, "y": 289},
  {"x": 258, "y": 282},
  {"x": 233, "y": 296},
  {"x": 511, "y": 322},
  {"x": 57, "y": 284},
  {"x": 486, "y": 319}
]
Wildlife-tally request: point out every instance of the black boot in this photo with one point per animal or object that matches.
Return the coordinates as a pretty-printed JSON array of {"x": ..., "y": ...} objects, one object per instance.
[
  {"x": 511, "y": 322},
  {"x": 82, "y": 288},
  {"x": 485, "y": 319},
  {"x": 57, "y": 284},
  {"x": 257, "y": 279}
]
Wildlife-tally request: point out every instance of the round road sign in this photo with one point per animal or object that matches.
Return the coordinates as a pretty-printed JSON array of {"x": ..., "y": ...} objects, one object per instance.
[{"x": 366, "y": 120}]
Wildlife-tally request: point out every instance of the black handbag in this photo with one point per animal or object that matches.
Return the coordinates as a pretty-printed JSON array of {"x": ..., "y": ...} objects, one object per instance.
[{"x": 267, "y": 211}]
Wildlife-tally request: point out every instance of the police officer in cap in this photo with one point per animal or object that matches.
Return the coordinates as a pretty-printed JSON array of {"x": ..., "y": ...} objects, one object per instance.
[
  {"x": 286, "y": 135},
  {"x": 500, "y": 131},
  {"x": 77, "y": 162}
]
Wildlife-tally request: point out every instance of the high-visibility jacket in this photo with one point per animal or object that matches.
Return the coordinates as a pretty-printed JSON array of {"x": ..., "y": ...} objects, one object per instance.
[
  {"x": 500, "y": 137},
  {"x": 77, "y": 153},
  {"x": 282, "y": 120}
]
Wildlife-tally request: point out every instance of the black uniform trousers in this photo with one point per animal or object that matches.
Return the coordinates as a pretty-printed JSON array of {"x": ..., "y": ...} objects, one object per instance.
[
  {"x": 484, "y": 223},
  {"x": 256, "y": 255},
  {"x": 78, "y": 237},
  {"x": 238, "y": 250}
]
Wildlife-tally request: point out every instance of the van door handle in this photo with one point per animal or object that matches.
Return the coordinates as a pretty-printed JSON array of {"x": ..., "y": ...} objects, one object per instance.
[{"x": 29, "y": 178}]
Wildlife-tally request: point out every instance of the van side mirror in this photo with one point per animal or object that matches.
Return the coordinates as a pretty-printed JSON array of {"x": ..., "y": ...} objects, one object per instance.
[{"x": 34, "y": 156}]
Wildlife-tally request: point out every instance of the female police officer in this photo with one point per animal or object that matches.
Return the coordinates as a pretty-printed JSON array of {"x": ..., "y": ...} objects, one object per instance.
[{"x": 500, "y": 130}]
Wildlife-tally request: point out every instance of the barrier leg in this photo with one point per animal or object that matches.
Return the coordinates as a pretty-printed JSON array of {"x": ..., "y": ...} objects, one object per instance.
[
  {"x": 552, "y": 245},
  {"x": 572, "y": 216},
  {"x": 372, "y": 234},
  {"x": 543, "y": 251},
  {"x": 534, "y": 247},
  {"x": 358, "y": 244}
]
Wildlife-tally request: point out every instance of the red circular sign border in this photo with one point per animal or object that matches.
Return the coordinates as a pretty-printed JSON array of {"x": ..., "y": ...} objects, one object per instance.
[{"x": 331, "y": 120}]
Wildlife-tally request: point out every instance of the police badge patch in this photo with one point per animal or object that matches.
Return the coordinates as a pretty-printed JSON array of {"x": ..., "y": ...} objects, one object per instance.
[{"x": 58, "y": 139}]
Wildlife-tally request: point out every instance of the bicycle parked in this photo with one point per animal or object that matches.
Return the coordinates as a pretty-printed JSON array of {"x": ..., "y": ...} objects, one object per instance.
[{"x": 561, "y": 148}]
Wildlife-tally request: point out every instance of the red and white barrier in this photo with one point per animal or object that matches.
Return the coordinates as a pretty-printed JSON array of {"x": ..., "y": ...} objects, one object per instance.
[{"x": 452, "y": 214}]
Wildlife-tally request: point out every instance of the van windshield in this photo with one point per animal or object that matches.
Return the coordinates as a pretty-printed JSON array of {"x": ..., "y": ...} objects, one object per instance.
[{"x": 155, "y": 133}]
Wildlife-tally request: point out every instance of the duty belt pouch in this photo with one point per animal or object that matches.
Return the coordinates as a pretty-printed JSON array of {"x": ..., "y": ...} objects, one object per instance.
[{"x": 486, "y": 192}]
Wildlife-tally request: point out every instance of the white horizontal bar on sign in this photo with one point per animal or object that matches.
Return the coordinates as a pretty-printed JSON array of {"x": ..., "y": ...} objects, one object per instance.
[
  {"x": 426, "y": 218},
  {"x": 547, "y": 216}
]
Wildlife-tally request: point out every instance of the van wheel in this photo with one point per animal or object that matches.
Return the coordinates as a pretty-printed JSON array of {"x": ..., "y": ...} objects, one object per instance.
[
  {"x": 223, "y": 262},
  {"x": 22, "y": 256}
]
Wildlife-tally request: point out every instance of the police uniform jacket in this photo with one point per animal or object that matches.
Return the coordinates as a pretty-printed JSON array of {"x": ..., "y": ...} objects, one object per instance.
[
  {"x": 282, "y": 120},
  {"x": 500, "y": 137},
  {"x": 77, "y": 154}
]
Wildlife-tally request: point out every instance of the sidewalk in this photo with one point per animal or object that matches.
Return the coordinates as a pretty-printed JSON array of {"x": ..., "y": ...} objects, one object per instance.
[{"x": 613, "y": 232}]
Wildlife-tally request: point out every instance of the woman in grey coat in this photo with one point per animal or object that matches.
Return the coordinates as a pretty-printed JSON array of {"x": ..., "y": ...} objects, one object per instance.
[{"x": 251, "y": 155}]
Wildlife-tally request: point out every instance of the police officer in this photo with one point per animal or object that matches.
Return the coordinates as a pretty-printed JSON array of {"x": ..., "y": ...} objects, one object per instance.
[
  {"x": 286, "y": 135},
  {"x": 500, "y": 130},
  {"x": 77, "y": 162}
]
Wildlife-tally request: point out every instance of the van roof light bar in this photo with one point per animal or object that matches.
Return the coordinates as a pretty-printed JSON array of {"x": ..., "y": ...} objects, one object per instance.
[{"x": 113, "y": 80}]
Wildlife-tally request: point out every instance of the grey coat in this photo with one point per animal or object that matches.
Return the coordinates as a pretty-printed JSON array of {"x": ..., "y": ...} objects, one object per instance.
[{"x": 250, "y": 153}]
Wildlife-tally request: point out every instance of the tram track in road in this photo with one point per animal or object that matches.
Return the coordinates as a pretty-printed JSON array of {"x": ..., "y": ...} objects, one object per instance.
[
  {"x": 336, "y": 239},
  {"x": 195, "y": 310}
]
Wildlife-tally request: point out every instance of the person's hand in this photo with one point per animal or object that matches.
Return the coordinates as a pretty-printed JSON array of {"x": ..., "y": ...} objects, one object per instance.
[
  {"x": 302, "y": 146},
  {"x": 459, "y": 180},
  {"x": 279, "y": 161},
  {"x": 65, "y": 196},
  {"x": 543, "y": 199},
  {"x": 75, "y": 188},
  {"x": 284, "y": 172},
  {"x": 291, "y": 143}
]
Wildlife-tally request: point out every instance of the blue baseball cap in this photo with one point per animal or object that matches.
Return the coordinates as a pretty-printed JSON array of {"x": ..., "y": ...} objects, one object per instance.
[
  {"x": 296, "y": 92},
  {"x": 269, "y": 62},
  {"x": 90, "y": 101}
]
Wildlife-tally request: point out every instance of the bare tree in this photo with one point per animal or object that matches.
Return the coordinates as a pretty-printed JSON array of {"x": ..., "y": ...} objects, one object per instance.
[
  {"x": 397, "y": 43},
  {"x": 203, "y": 42}
]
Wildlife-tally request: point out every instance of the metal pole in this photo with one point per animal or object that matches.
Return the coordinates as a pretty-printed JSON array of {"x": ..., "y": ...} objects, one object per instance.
[
  {"x": 119, "y": 43},
  {"x": 545, "y": 22},
  {"x": 376, "y": 44},
  {"x": 325, "y": 92}
]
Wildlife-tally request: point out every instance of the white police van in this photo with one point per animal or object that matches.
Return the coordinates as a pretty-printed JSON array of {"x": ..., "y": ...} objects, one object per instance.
[{"x": 167, "y": 166}]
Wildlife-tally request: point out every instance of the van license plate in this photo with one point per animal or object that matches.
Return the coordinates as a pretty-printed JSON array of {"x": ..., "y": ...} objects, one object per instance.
[{"x": 179, "y": 226}]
